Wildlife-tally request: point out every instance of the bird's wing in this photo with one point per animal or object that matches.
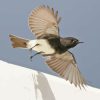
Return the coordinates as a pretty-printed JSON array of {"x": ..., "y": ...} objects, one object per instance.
[
  {"x": 65, "y": 65},
  {"x": 43, "y": 20}
]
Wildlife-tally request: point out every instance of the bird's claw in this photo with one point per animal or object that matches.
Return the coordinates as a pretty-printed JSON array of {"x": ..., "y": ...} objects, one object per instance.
[
  {"x": 30, "y": 49},
  {"x": 31, "y": 58},
  {"x": 35, "y": 55}
]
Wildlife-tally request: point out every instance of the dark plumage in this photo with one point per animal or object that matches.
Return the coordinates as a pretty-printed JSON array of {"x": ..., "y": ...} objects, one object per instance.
[{"x": 44, "y": 23}]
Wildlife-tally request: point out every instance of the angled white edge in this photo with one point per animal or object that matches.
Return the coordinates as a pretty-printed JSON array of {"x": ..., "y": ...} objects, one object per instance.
[{"x": 19, "y": 83}]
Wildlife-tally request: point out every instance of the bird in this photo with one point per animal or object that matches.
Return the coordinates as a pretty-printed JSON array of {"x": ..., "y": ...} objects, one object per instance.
[{"x": 43, "y": 22}]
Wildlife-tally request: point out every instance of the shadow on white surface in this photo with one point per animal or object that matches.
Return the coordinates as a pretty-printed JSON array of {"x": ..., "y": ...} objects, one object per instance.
[
  {"x": 42, "y": 84},
  {"x": 19, "y": 83}
]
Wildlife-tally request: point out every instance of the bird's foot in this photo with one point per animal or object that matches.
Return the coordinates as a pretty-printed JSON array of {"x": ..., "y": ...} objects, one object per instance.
[{"x": 31, "y": 57}]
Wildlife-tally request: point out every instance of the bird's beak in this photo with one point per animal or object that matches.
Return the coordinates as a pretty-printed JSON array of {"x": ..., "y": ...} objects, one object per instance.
[{"x": 80, "y": 42}]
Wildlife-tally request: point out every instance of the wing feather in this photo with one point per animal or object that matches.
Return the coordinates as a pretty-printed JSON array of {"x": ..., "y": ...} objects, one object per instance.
[
  {"x": 43, "y": 20},
  {"x": 74, "y": 77},
  {"x": 65, "y": 65},
  {"x": 71, "y": 75}
]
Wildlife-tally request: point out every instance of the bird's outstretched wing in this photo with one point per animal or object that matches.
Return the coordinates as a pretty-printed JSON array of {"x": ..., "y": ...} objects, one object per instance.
[
  {"x": 65, "y": 65},
  {"x": 43, "y": 20}
]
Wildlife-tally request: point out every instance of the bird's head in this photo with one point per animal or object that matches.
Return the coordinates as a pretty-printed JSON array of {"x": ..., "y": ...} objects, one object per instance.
[{"x": 71, "y": 42}]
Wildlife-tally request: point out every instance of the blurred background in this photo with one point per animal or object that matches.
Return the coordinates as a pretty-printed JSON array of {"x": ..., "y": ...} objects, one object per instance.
[{"x": 80, "y": 19}]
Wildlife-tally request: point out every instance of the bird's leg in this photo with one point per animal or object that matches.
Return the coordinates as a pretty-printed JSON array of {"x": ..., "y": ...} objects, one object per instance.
[
  {"x": 35, "y": 55},
  {"x": 30, "y": 50},
  {"x": 33, "y": 47}
]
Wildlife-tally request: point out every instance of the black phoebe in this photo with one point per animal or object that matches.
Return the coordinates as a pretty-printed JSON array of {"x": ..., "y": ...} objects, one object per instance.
[{"x": 43, "y": 22}]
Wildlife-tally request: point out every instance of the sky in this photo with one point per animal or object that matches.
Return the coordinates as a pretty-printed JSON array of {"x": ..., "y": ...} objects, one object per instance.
[{"x": 80, "y": 19}]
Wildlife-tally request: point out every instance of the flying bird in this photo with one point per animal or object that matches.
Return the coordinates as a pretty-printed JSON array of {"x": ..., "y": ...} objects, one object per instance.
[{"x": 44, "y": 23}]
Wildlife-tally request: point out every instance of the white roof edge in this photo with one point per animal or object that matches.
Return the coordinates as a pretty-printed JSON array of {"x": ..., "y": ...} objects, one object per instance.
[{"x": 19, "y": 83}]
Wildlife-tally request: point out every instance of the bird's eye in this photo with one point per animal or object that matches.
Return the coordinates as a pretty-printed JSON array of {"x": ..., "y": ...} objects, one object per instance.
[
  {"x": 72, "y": 41},
  {"x": 55, "y": 26}
]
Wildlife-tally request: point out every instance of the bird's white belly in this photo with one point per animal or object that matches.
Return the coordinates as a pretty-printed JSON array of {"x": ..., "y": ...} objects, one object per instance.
[{"x": 43, "y": 46}]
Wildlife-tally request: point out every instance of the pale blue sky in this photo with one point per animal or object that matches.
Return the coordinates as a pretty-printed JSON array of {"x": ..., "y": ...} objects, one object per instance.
[{"x": 80, "y": 19}]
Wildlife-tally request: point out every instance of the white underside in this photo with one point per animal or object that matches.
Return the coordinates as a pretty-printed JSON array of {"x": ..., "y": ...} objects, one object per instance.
[{"x": 42, "y": 47}]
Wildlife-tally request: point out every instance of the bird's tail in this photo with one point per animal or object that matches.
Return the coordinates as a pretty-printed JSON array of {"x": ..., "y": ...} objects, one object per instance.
[{"x": 18, "y": 42}]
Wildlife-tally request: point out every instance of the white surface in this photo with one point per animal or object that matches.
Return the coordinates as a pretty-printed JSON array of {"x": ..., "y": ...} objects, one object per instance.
[{"x": 19, "y": 83}]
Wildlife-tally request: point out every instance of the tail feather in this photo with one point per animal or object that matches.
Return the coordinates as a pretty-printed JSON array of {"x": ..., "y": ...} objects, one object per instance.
[{"x": 18, "y": 42}]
